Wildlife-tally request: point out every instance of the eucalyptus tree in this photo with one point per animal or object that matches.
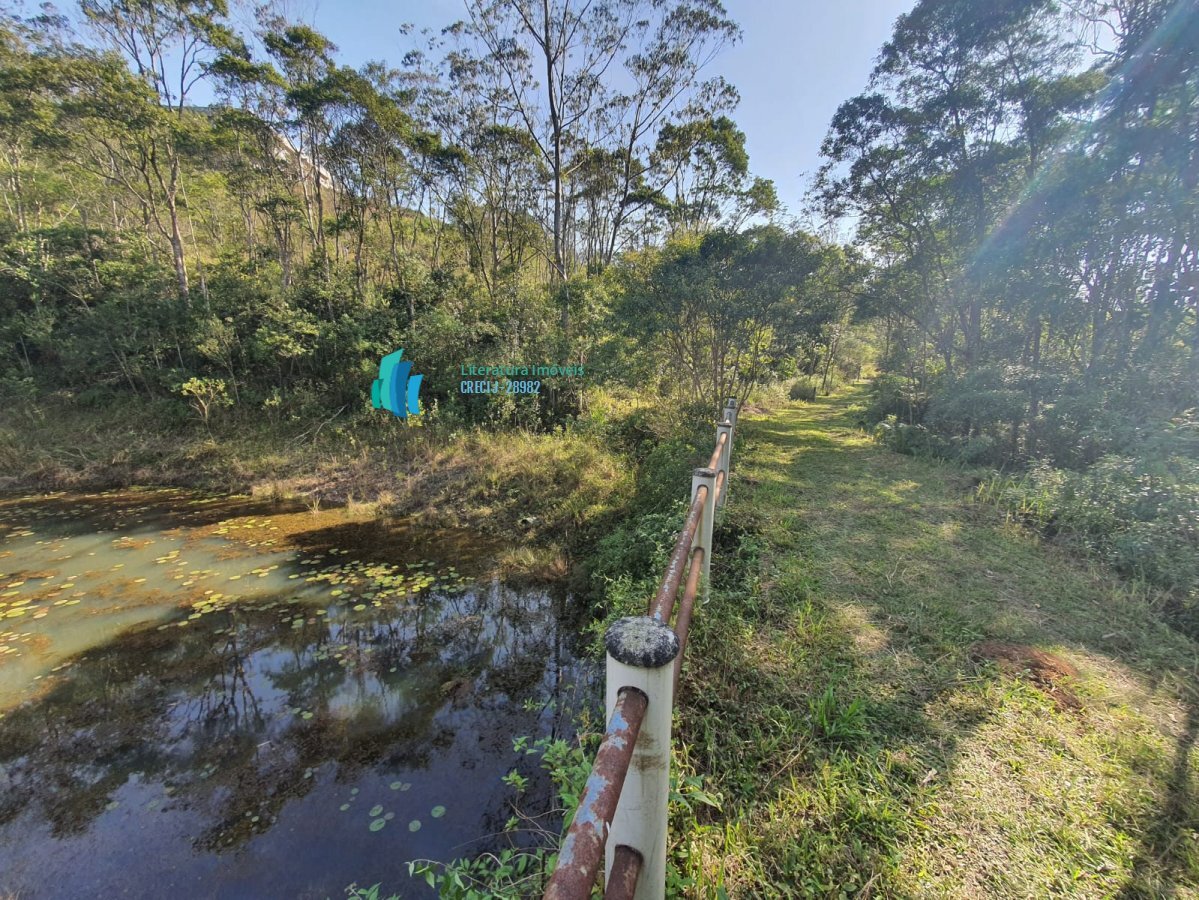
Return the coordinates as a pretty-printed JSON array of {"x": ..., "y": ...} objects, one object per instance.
[
  {"x": 263, "y": 179},
  {"x": 497, "y": 219},
  {"x": 169, "y": 44},
  {"x": 28, "y": 84},
  {"x": 593, "y": 84},
  {"x": 32, "y": 186},
  {"x": 492, "y": 178},
  {"x": 304, "y": 58},
  {"x": 705, "y": 167},
  {"x": 552, "y": 56},
  {"x": 672, "y": 46}
]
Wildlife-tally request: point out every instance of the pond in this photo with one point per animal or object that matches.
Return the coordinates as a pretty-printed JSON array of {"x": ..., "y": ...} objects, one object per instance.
[{"x": 206, "y": 696}]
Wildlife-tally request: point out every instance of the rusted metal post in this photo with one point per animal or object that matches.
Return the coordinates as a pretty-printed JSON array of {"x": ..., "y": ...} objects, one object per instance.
[
  {"x": 725, "y": 428},
  {"x": 702, "y": 478},
  {"x": 641, "y": 654}
]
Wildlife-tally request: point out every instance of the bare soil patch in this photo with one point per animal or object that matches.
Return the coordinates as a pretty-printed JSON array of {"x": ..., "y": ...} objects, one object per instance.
[{"x": 1045, "y": 670}]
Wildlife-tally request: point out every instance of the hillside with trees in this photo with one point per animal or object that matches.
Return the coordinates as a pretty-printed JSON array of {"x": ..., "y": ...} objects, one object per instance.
[{"x": 187, "y": 203}]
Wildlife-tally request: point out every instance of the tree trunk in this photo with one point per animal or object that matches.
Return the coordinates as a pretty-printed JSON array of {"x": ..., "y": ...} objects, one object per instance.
[
  {"x": 176, "y": 239},
  {"x": 556, "y": 129}
]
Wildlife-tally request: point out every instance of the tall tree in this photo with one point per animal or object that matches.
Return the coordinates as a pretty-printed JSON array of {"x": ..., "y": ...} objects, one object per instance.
[
  {"x": 1033, "y": 209},
  {"x": 593, "y": 84},
  {"x": 305, "y": 60},
  {"x": 552, "y": 55},
  {"x": 724, "y": 310},
  {"x": 169, "y": 44}
]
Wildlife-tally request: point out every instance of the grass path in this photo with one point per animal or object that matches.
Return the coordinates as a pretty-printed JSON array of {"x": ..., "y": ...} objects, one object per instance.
[{"x": 856, "y": 744}]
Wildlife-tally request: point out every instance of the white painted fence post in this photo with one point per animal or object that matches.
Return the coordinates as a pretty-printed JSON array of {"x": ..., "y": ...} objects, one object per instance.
[
  {"x": 703, "y": 534},
  {"x": 641, "y": 653}
]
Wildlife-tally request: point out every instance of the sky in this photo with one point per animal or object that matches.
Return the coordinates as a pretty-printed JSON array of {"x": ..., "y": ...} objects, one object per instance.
[{"x": 797, "y": 61}]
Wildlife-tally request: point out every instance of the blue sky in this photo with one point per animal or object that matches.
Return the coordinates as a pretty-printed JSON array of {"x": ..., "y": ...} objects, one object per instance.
[
  {"x": 795, "y": 65},
  {"x": 797, "y": 61}
]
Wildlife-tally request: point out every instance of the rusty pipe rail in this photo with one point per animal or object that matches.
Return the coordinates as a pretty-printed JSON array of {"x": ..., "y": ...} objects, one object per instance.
[
  {"x": 682, "y": 625},
  {"x": 585, "y": 844},
  {"x": 721, "y": 442},
  {"x": 663, "y": 603},
  {"x": 583, "y": 850},
  {"x": 626, "y": 868}
]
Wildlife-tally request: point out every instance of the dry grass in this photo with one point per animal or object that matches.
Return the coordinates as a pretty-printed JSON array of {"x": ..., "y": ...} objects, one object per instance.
[{"x": 552, "y": 488}]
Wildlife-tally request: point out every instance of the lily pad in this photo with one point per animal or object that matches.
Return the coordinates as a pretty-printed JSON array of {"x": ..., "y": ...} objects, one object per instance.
[
  {"x": 377, "y": 824},
  {"x": 376, "y": 810},
  {"x": 437, "y": 812},
  {"x": 414, "y": 825}
]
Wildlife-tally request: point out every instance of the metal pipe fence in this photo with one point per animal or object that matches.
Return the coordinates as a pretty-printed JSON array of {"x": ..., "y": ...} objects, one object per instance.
[{"x": 622, "y": 814}]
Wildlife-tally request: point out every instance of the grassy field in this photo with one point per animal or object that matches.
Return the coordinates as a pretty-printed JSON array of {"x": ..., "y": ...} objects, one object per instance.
[{"x": 896, "y": 693}]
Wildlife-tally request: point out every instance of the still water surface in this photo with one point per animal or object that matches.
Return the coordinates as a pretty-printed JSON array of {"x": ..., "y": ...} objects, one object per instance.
[{"x": 206, "y": 696}]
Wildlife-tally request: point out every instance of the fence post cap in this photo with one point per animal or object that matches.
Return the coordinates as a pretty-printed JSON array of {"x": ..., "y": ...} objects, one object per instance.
[
  {"x": 641, "y": 641},
  {"x": 732, "y": 401},
  {"x": 727, "y": 423},
  {"x": 704, "y": 472}
]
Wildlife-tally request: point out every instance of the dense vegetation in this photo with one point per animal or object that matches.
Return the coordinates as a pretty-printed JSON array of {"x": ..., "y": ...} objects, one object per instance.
[
  {"x": 199, "y": 216},
  {"x": 1025, "y": 175}
]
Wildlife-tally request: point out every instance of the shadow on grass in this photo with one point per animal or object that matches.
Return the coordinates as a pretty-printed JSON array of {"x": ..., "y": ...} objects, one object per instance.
[
  {"x": 1171, "y": 838},
  {"x": 828, "y": 800},
  {"x": 835, "y": 524}
]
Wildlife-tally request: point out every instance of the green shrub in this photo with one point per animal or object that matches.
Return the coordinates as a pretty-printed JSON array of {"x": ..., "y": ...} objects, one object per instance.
[
  {"x": 1140, "y": 513},
  {"x": 205, "y": 395},
  {"x": 908, "y": 439},
  {"x": 639, "y": 546},
  {"x": 892, "y": 395},
  {"x": 15, "y": 390},
  {"x": 800, "y": 390},
  {"x": 985, "y": 401}
]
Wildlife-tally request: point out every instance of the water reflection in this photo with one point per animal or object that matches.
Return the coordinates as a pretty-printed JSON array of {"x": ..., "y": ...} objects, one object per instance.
[{"x": 241, "y": 742}]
